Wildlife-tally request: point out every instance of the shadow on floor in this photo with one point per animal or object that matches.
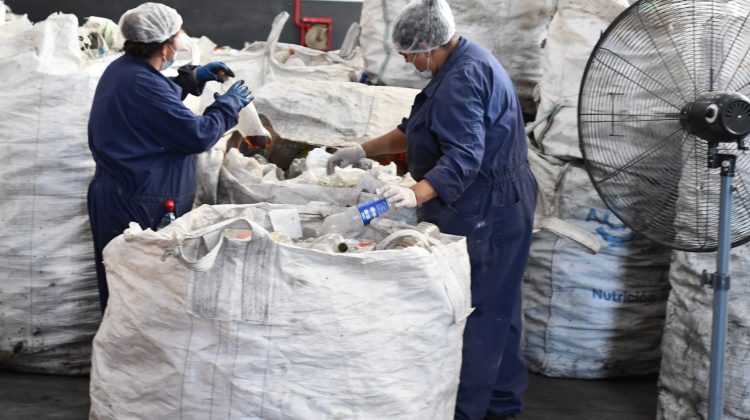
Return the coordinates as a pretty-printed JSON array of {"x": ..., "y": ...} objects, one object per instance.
[{"x": 28, "y": 396}]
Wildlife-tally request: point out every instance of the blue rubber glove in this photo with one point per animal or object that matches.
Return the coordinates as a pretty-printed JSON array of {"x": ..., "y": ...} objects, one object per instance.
[
  {"x": 216, "y": 70},
  {"x": 237, "y": 96}
]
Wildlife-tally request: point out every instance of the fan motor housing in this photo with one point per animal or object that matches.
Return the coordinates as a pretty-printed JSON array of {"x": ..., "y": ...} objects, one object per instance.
[{"x": 717, "y": 116}]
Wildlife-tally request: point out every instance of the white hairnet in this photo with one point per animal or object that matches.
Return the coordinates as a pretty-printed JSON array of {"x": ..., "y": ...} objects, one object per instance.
[
  {"x": 422, "y": 26},
  {"x": 150, "y": 22}
]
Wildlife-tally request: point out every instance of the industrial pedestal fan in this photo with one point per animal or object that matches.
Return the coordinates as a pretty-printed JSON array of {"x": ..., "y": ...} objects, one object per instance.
[{"x": 663, "y": 121}]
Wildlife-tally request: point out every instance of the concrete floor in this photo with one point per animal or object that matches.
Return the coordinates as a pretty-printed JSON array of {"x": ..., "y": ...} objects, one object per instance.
[{"x": 27, "y": 396}]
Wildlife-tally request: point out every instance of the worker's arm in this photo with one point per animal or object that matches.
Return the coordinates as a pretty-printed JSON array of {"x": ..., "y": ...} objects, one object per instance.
[
  {"x": 424, "y": 191},
  {"x": 393, "y": 141},
  {"x": 398, "y": 196}
]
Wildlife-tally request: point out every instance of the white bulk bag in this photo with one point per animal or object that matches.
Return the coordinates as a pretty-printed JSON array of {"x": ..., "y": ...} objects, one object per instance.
[
  {"x": 685, "y": 365},
  {"x": 513, "y": 30},
  {"x": 239, "y": 183},
  {"x": 13, "y": 27},
  {"x": 49, "y": 303},
  {"x": 382, "y": 62},
  {"x": 573, "y": 33},
  {"x": 330, "y": 113},
  {"x": 242, "y": 181},
  {"x": 204, "y": 324},
  {"x": 259, "y": 63},
  {"x": 591, "y": 316}
]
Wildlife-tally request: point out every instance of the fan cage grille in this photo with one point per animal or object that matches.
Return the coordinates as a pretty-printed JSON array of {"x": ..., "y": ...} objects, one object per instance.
[{"x": 654, "y": 59}]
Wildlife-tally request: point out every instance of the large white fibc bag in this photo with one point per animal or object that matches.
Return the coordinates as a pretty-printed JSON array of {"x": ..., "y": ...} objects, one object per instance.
[
  {"x": 14, "y": 27},
  {"x": 211, "y": 318},
  {"x": 263, "y": 62},
  {"x": 330, "y": 113},
  {"x": 513, "y": 30},
  {"x": 573, "y": 33},
  {"x": 382, "y": 62},
  {"x": 685, "y": 366},
  {"x": 49, "y": 304},
  {"x": 241, "y": 182},
  {"x": 591, "y": 316}
]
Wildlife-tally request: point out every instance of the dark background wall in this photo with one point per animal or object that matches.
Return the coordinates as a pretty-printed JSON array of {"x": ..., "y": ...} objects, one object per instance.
[{"x": 226, "y": 22}]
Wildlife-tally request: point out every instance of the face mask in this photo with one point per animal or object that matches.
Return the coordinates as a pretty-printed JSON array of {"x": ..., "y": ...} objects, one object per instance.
[
  {"x": 424, "y": 74},
  {"x": 186, "y": 52},
  {"x": 166, "y": 63}
]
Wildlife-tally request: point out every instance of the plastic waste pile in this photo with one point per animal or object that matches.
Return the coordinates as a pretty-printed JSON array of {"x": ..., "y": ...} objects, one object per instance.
[
  {"x": 244, "y": 180},
  {"x": 311, "y": 170},
  {"x": 345, "y": 231}
]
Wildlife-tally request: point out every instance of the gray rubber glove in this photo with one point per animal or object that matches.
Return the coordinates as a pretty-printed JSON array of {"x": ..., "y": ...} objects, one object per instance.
[{"x": 345, "y": 157}]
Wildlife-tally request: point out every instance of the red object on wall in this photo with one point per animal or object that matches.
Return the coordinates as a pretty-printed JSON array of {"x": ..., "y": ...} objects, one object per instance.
[{"x": 305, "y": 23}]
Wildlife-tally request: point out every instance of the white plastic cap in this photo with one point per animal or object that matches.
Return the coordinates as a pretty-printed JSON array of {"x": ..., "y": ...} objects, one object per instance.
[
  {"x": 423, "y": 25},
  {"x": 150, "y": 22}
]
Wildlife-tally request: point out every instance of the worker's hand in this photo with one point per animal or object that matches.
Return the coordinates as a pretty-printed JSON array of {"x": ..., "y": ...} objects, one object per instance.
[
  {"x": 216, "y": 70},
  {"x": 398, "y": 196},
  {"x": 237, "y": 96},
  {"x": 344, "y": 157}
]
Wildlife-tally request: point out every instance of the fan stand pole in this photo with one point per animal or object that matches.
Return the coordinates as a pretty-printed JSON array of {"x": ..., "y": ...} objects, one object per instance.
[{"x": 720, "y": 282}]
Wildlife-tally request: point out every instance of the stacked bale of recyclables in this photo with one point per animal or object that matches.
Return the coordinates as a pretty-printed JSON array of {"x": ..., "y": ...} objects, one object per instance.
[
  {"x": 595, "y": 292},
  {"x": 49, "y": 305}
]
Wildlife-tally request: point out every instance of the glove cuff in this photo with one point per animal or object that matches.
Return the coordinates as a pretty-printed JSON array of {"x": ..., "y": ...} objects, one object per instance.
[{"x": 361, "y": 151}]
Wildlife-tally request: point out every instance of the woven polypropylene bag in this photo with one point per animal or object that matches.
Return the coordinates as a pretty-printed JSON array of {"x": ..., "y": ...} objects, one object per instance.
[{"x": 211, "y": 318}]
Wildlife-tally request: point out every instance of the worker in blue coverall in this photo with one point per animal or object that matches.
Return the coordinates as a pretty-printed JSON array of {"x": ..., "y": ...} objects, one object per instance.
[
  {"x": 467, "y": 149},
  {"x": 142, "y": 137}
]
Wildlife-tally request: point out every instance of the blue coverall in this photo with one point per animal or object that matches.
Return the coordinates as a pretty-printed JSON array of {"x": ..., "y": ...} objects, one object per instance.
[
  {"x": 144, "y": 142},
  {"x": 465, "y": 135}
]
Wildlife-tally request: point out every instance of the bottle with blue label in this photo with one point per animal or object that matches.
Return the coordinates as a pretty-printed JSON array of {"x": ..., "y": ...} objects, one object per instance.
[{"x": 350, "y": 222}]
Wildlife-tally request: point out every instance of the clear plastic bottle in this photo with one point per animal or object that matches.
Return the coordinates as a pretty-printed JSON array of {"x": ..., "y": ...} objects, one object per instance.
[
  {"x": 169, "y": 217},
  {"x": 355, "y": 246},
  {"x": 350, "y": 222},
  {"x": 328, "y": 242}
]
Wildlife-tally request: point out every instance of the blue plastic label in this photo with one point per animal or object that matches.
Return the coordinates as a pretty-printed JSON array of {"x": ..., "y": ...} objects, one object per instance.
[{"x": 372, "y": 209}]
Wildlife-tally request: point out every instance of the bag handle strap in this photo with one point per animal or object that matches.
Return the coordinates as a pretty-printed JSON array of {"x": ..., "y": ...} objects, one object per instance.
[
  {"x": 460, "y": 303},
  {"x": 205, "y": 262}
]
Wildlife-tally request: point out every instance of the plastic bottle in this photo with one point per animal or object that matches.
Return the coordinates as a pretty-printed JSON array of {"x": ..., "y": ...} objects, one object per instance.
[
  {"x": 355, "y": 245},
  {"x": 169, "y": 217},
  {"x": 350, "y": 222},
  {"x": 328, "y": 242},
  {"x": 255, "y": 145},
  {"x": 294, "y": 59},
  {"x": 407, "y": 241}
]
